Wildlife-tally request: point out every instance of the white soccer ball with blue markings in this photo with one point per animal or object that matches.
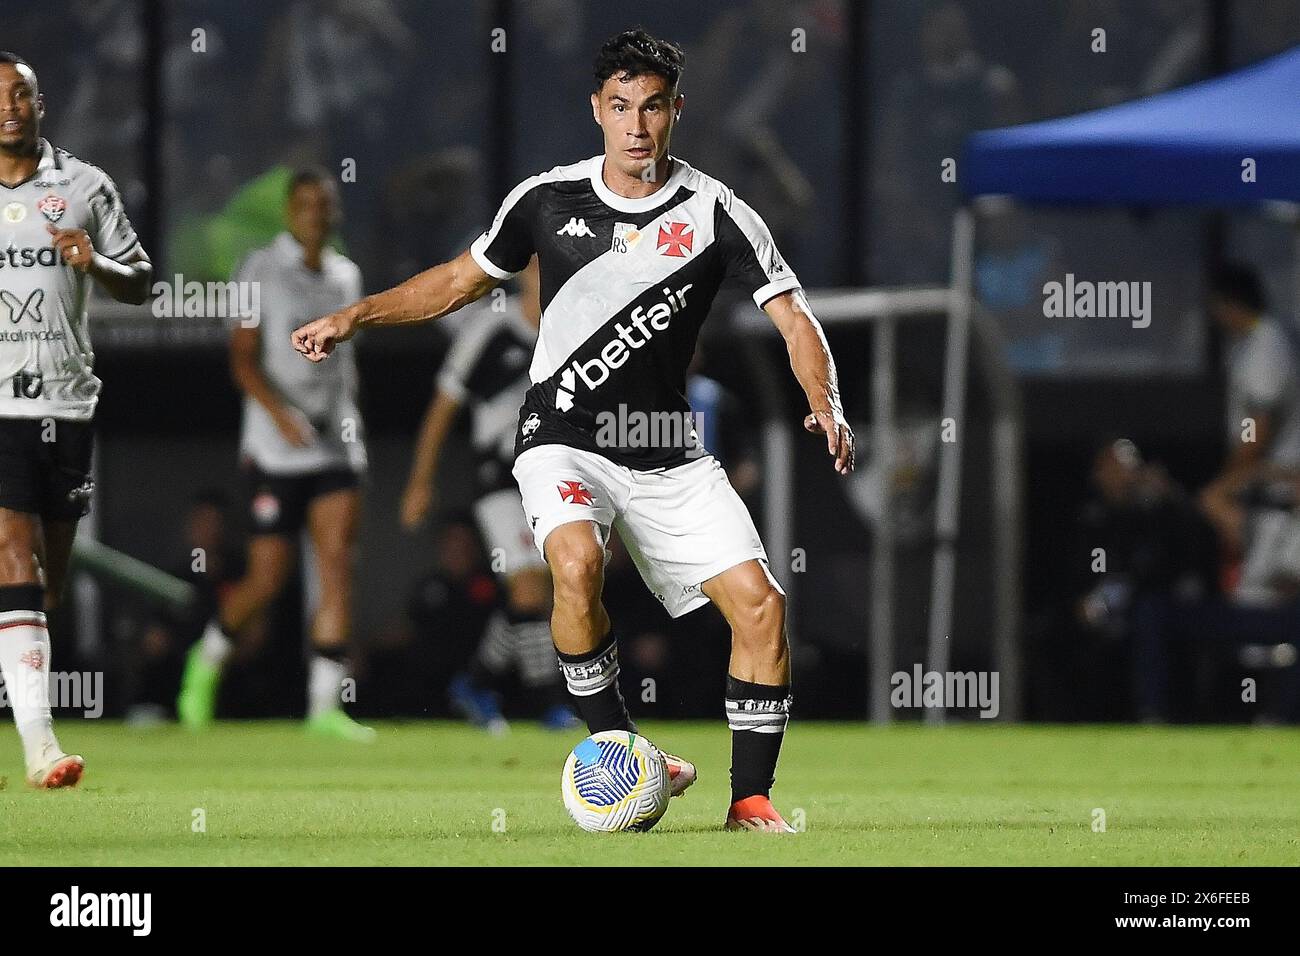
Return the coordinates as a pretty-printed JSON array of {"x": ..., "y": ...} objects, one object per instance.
[{"x": 615, "y": 780}]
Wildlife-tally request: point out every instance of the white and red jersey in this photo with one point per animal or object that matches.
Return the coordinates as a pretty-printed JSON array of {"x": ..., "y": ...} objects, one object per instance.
[{"x": 46, "y": 360}]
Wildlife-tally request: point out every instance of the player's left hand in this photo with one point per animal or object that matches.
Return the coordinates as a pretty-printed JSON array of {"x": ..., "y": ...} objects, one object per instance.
[
  {"x": 74, "y": 246},
  {"x": 839, "y": 437}
]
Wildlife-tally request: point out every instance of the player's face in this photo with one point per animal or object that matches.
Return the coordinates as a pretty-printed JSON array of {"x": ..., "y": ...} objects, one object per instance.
[
  {"x": 310, "y": 213},
  {"x": 21, "y": 108},
  {"x": 636, "y": 115}
]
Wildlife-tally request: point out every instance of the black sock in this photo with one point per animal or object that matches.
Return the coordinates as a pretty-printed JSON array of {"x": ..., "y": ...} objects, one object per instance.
[
  {"x": 592, "y": 680},
  {"x": 757, "y": 715}
]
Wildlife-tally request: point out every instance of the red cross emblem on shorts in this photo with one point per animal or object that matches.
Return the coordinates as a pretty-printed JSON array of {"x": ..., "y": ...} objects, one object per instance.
[
  {"x": 677, "y": 236},
  {"x": 575, "y": 492}
]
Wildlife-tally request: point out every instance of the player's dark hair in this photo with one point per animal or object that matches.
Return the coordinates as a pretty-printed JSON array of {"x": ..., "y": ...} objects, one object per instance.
[
  {"x": 635, "y": 53},
  {"x": 15, "y": 59},
  {"x": 310, "y": 176},
  {"x": 1240, "y": 284}
]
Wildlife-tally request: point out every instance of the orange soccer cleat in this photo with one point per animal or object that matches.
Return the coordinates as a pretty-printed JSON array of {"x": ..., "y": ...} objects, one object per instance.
[{"x": 756, "y": 813}]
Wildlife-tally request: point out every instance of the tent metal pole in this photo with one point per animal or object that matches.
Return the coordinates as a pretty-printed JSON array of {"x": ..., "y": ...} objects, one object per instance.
[
  {"x": 1006, "y": 492},
  {"x": 947, "y": 511},
  {"x": 881, "y": 637}
]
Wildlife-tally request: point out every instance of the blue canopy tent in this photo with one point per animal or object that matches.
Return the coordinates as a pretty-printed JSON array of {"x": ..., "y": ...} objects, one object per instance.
[
  {"x": 1184, "y": 146},
  {"x": 1233, "y": 140}
]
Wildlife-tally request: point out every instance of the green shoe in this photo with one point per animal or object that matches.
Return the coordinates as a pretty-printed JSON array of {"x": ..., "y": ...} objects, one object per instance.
[
  {"x": 337, "y": 724},
  {"x": 197, "y": 703}
]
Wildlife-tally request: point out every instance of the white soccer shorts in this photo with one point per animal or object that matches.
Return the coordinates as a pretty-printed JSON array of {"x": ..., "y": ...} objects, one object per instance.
[
  {"x": 505, "y": 531},
  {"x": 681, "y": 526}
]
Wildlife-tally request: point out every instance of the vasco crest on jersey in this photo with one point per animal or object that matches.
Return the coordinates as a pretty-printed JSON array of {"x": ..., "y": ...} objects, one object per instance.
[{"x": 676, "y": 239}]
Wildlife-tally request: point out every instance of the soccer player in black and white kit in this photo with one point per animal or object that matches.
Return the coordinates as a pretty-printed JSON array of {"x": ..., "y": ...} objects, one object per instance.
[
  {"x": 633, "y": 245},
  {"x": 61, "y": 224}
]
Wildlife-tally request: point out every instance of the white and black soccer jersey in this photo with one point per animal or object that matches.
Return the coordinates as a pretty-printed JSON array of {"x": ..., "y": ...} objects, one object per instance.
[
  {"x": 291, "y": 295},
  {"x": 625, "y": 286},
  {"x": 46, "y": 360},
  {"x": 487, "y": 369}
]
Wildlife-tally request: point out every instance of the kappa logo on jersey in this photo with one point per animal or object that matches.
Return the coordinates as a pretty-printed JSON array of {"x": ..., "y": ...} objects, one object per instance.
[
  {"x": 675, "y": 239},
  {"x": 594, "y": 372},
  {"x": 531, "y": 424},
  {"x": 575, "y": 227},
  {"x": 20, "y": 309},
  {"x": 52, "y": 207},
  {"x": 15, "y": 212},
  {"x": 575, "y": 493},
  {"x": 626, "y": 236}
]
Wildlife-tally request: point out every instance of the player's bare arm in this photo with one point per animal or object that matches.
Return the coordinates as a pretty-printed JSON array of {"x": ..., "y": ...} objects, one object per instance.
[
  {"x": 810, "y": 358},
  {"x": 422, "y": 298},
  {"x": 246, "y": 370},
  {"x": 126, "y": 281},
  {"x": 417, "y": 500}
]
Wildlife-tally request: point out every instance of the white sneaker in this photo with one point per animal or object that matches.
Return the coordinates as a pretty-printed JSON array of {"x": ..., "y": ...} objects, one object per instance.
[{"x": 64, "y": 770}]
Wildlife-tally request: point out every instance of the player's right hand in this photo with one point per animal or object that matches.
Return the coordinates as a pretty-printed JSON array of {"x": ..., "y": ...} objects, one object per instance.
[
  {"x": 316, "y": 340},
  {"x": 417, "y": 501}
]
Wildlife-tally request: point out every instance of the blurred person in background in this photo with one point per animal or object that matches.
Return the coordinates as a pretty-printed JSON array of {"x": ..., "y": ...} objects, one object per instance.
[
  {"x": 1252, "y": 501},
  {"x": 449, "y": 608},
  {"x": 304, "y": 456},
  {"x": 211, "y": 560},
  {"x": 487, "y": 370},
  {"x": 63, "y": 224},
  {"x": 1142, "y": 556}
]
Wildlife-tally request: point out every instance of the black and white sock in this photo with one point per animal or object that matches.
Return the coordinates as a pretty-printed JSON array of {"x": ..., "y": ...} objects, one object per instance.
[
  {"x": 757, "y": 715},
  {"x": 592, "y": 680}
]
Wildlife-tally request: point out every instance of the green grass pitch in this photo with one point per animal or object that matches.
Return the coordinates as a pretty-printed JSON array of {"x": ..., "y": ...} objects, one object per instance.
[{"x": 442, "y": 793}]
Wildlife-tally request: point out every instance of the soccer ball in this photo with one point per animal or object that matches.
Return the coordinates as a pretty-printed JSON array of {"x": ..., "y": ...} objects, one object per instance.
[{"x": 615, "y": 780}]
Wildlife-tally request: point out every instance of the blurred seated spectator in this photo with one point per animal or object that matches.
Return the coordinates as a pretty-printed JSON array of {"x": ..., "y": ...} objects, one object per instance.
[
  {"x": 407, "y": 670},
  {"x": 1141, "y": 552}
]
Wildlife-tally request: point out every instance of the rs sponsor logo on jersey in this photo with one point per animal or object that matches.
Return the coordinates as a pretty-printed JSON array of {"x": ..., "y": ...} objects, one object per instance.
[
  {"x": 15, "y": 212},
  {"x": 626, "y": 236},
  {"x": 616, "y": 351},
  {"x": 575, "y": 227},
  {"x": 675, "y": 239}
]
